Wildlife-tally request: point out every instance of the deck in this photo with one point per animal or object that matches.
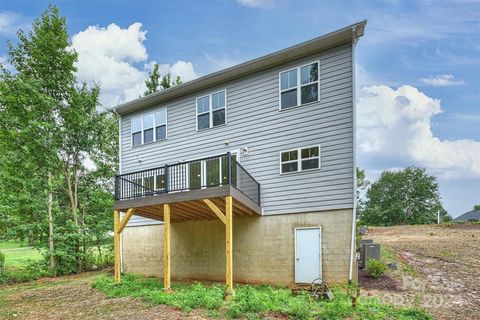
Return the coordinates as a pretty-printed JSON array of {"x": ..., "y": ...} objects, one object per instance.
[
  {"x": 209, "y": 188},
  {"x": 185, "y": 186}
]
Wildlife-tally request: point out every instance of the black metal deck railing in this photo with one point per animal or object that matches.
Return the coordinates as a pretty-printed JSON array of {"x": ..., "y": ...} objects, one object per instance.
[{"x": 189, "y": 175}]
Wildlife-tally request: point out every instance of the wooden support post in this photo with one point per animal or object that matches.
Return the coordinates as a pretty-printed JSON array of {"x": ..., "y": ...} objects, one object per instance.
[
  {"x": 116, "y": 243},
  {"x": 166, "y": 247},
  {"x": 229, "y": 246}
]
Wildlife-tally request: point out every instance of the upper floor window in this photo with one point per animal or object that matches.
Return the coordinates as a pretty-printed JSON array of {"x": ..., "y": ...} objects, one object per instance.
[
  {"x": 161, "y": 124},
  {"x": 211, "y": 110},
  {"x": 301, "y": 159},
  {"x": 299, "y": 86},
  {"x": 149, "y": 127}
]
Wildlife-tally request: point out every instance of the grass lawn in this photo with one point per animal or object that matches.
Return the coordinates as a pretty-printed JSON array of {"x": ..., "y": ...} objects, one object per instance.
[
  {"x": 18, "y": 253},
  {"x": 252, "y": 302}
]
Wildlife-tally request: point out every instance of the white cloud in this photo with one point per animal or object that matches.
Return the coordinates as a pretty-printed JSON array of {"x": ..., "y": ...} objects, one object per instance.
[
  {"x": 396, "y": 124},
  {"x": 10, "y": 22},
  {"x": 263, "y": 4},
  {"x": 107, "y": 55},
  {"x": 442, "y": 80},
  {"x": 111, "y": 56},
  {"x": 183, "y": 69}
]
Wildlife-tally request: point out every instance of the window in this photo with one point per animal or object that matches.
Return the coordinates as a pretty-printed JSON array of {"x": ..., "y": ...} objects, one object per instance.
[
  {"x": 302, "y": 159},
  {"x": 211, "y": 110},
  {"x": 203, "y": 112},
  {"x": 161, "y": 124},
  {"x": 136, "y": 131},
  {"x": 149, "y": 127},
  {"x": 299, "y": 86}
]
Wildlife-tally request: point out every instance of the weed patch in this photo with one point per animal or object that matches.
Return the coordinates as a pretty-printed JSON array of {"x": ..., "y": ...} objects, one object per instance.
[{"x": 252, "y": 302}]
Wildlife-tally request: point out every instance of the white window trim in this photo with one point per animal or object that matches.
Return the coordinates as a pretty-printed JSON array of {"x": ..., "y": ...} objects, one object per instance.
[
  {"x": 210, "y": 110},
  {"x": 299, "y": 159},
  {"x": 298, "y": 87},
  {"x": 142, "y": 129}
]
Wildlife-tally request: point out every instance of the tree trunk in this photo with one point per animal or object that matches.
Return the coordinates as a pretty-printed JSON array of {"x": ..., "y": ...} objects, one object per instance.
[
  {"x": 72, "y": 194},
  {"x": 51, "y": 246},
  {"x": 100, "y": 262},
  {"x": 30, "y": 237}
]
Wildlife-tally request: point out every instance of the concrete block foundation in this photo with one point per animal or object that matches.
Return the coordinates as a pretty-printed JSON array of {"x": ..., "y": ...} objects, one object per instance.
[{"x": 263, "y": 248}]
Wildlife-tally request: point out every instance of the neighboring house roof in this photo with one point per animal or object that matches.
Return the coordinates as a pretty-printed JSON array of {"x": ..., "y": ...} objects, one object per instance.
[
  {"x": 346, "y": 34},
  {"x": 471, "y": 215}
]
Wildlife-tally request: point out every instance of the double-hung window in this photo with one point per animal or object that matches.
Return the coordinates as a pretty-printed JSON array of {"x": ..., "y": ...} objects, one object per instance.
[
  {"x": 136, "y": 131},
  {"x": 301, "y": 159},
  {"x": 211, "y": 110},
  {"x": 149, "y": 127},
  {"x": 161, "y": 125},
  {"x": 299, "y": 86}
]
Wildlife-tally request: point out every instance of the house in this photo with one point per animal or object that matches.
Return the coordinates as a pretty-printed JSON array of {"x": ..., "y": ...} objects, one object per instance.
[
  {"x": 473, "y": 215},
  {"x": 246, "y": 174}
]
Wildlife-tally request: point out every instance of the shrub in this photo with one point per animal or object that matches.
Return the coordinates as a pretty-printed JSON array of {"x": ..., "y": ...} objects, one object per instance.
[
  {"x": 96, "y": 259},
  {"x": 376, "y": 268}
]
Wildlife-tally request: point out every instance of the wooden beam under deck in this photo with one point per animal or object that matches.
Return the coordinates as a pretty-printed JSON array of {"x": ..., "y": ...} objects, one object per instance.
[{"x": 191, "y": 205}]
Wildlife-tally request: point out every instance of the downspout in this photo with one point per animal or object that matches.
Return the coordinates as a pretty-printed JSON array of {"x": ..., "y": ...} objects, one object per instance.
[
  {"x": 354, "y": 210},
  {"x": 114, "y": 111}
]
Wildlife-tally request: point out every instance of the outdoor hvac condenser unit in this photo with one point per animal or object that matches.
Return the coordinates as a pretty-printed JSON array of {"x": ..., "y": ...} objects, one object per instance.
[
  {"x": 361, "y": 243},
  {"x": 369, "y": 251}
]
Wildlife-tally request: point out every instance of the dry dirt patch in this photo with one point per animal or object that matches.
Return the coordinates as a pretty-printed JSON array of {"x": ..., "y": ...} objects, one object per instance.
[
  {"x": 445, "y": 263},
  {"x": 73, "y": 298}
]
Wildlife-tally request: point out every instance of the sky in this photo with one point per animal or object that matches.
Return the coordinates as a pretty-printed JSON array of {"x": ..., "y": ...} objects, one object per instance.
[{"x": 417, "y": 66}]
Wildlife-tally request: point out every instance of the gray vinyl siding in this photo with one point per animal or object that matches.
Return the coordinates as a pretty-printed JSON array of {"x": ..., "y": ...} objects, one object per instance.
[
  {"x": 255, "y": 121},
  {"x": 136, "y": 221}
]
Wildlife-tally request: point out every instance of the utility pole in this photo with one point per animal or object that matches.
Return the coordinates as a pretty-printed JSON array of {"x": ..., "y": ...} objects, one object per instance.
[{"x": 438, "y": 217}]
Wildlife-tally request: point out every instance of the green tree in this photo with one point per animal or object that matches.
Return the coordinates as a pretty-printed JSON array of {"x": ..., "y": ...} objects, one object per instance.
[
  {"x": 156, "y": 82},
  {"x": 166, "y": 81},
  {"x": 29, "y": 142},
  {"x": 476, "y": 207},
  {"x": 54, "y": 142},
  {"x": 409, "y": 196},
  {"x": 362, "y": 186},
  {"x": 43, "y": 61},
  {"x": 153, "y": 81}
]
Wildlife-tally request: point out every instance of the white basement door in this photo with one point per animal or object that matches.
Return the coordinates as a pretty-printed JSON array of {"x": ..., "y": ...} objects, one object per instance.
[{"x": 308, "y": 254}]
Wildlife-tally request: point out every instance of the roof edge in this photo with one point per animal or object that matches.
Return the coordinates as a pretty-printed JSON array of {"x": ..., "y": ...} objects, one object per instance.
[{"x": 351, "y": 32}]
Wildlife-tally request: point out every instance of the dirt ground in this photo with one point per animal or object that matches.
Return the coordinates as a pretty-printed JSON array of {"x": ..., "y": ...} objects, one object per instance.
[
  {"x": 439, "y": 269},
  {"x": 73, "y": 298}
]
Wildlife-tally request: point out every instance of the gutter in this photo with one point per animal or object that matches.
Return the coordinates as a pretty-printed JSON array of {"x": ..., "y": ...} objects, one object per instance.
[{"x": 298, "y": 51}]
